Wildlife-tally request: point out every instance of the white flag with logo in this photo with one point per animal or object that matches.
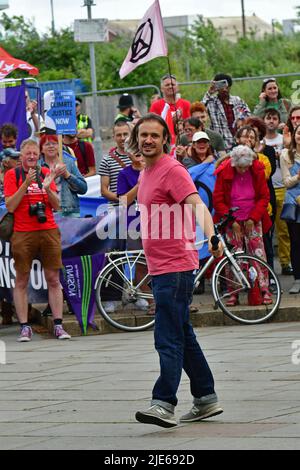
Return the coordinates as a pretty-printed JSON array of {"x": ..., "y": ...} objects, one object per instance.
[{"x": 149, "y": 41}]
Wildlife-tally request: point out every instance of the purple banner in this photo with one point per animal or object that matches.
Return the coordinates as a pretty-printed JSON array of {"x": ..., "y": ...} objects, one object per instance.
[
  {"x": 13, "y": 110},
  {"x": 78, "y": 278}
]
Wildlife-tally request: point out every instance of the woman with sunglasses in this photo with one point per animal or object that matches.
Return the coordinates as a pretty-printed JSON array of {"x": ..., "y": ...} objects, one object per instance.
[
  {"x": 270, "y": 97},
  {"x": 292, "y": 122}
]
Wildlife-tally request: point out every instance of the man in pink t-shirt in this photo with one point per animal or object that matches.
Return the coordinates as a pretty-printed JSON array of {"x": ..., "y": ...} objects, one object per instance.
[{"x": 168, "y": 201}]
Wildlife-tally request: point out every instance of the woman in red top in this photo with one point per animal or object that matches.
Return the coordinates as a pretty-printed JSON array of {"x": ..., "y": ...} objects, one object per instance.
[{"x": 241, "y": 183}]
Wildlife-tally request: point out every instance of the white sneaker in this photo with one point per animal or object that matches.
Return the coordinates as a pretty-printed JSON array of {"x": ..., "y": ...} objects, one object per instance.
[
  {"x": 109, "y": 306},
  {"x": 295, "y": 289},
  {"x": 141, "y": 304}
]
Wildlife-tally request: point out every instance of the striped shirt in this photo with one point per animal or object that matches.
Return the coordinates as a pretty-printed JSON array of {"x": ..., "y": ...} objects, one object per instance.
[{"x": 111, "y": 168}]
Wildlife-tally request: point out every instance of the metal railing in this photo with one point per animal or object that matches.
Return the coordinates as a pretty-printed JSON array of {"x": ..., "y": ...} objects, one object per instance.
[
  {"x": 239, "y": 79},
  {"x": 118, "y": 90}
]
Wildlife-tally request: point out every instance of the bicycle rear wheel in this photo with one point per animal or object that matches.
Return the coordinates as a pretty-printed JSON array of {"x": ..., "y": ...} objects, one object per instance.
[
  {"x": 228, "y": 284},
  {"x": 127, "y": 277}
]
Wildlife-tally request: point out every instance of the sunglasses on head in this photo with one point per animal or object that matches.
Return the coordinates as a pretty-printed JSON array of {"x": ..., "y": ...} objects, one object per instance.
[
  {"x": 266, "y": 80},
  {"x": 168, "y": 76}
]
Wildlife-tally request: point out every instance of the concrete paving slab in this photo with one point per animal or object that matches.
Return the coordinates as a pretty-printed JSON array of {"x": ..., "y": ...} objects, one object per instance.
[{"x": 85, "y": 396}]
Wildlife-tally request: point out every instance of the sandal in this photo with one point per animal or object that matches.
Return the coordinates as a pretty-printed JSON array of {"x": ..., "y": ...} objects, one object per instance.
[
  {"x": 232, "y": 301},
  {"x": 267, "y": 298}
]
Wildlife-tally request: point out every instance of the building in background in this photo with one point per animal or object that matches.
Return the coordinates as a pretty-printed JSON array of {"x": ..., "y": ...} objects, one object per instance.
[{"x": 230, "y": 26}]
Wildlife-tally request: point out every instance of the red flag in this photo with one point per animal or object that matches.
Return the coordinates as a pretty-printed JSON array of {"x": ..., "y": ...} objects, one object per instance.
[
  {"x": 149, "y": 41},
  {"x": 8, "y": 64}
]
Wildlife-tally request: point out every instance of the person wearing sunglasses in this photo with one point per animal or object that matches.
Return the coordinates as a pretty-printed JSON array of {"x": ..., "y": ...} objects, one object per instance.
[
  {"x": 292, "y": 122},
  {"x": 270, "y": 97}
]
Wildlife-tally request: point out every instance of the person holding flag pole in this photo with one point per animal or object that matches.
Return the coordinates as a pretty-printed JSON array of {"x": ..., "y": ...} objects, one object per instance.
[{"x": 149, "y": 42}]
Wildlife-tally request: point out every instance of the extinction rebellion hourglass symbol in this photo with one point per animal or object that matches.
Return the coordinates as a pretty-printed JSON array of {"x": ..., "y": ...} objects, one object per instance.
[{"x": 142, "y": 42}]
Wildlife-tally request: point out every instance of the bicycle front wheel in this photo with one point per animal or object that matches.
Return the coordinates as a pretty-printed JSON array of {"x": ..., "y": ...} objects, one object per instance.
[
  {"x": 229, "y": 286},
  {"x": 127, "y": 280}
]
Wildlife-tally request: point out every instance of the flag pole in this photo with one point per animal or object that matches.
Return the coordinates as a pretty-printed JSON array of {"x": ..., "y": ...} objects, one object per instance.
[{"x": 174, "y": 97}]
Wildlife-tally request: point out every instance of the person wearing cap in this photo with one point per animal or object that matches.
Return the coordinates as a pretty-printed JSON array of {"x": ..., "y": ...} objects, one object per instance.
[
  {"x": 270, "y": 97},
  {"x": 224, "y": 108},
  {"x": 85, "y": 129},
  {"x": 201, "y": 167},
  {"x": 200, "y": 151},
  {"x": 9, "y": 158},
  {"x": 241, "y": 183},
  {"x": 127, "y": 111}
]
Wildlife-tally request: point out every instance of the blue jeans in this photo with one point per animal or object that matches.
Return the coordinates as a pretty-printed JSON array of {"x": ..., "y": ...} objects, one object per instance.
[{"x": 176, "y": 343}]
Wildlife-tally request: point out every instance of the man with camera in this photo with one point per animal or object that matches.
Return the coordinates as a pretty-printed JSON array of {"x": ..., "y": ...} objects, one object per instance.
[
  {"x": 223, "y": 108},
  {"x": 30, "y": 194}
]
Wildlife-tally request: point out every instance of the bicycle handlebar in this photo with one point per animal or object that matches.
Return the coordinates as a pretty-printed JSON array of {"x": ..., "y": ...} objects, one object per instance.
[
  {"x": 214, "y": 242},
  {"x": 226, "y": 219}
]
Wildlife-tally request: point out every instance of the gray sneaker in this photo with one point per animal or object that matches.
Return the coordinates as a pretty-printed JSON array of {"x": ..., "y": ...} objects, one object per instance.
[
  {"x": 156, "y": 414},
  {"x": 199, "y": 412},
  {"x": 295, "y": 289}
]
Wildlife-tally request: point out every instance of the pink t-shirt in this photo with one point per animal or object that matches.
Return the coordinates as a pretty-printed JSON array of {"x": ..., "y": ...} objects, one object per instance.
[
  {"x": 167, "y": 224},
  {"x": 243, "y": 195}
]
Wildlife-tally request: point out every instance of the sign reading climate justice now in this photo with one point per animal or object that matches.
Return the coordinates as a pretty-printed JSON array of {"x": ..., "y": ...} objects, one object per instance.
[{"x": 60, "y": 113}]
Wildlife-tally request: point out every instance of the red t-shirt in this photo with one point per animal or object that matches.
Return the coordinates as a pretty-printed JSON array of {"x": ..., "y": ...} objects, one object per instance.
[
  {"x": 184, "y": 105},
  {"x": 84, "y": 161},
  {"x": 23, "y": 222},
  {"x": 168, "y": 229}
]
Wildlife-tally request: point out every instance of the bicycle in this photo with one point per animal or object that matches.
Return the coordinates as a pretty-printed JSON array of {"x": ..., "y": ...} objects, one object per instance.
[{"x": 235, "y": 273}]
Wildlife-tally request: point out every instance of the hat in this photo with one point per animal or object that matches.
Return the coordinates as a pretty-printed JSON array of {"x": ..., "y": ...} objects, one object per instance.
[
  {"x": 9, "y": 153},
  {"x": 200, "y": 135},
  {"x": 125, "y": 101},
  {"x": 78, "y": 100}
]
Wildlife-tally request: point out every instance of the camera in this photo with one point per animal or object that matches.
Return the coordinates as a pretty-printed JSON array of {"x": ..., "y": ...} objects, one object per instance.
[
  {"x": 38, "y": 209},
  {"x": 221, "y": 84}
]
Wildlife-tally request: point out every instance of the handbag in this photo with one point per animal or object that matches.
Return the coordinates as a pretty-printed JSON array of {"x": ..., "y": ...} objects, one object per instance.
[
  {"x": 7, "y": 226},
  {"x": 289, "y": 212}
]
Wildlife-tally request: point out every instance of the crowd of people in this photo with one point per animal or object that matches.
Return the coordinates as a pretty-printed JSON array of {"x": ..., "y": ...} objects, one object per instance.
[
  {"x": 35, "y": 183},
  {"x": 249, "y": 160},
  {"x": 205, "y": 136}
]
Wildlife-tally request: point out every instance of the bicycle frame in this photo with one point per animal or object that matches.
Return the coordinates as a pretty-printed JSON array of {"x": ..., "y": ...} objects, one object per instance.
[
  {"x": 140, "y": 253},
  {"x": 125, "y": 254},
  {"x": 238, "y": 272}
]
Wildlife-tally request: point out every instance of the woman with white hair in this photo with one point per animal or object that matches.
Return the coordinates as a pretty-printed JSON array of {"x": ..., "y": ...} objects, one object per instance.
[{"x": 241, "y": 183}]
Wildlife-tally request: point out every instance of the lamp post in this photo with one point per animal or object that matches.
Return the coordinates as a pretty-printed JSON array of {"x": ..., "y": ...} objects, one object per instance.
[
  {"x": 243, "y": 18},
  {"x": 52, "y": 20},
  {"x": 97, "y": 138}
]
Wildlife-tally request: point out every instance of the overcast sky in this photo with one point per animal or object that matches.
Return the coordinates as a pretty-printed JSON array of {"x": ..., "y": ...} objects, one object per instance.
[{"x": 65, "y": 11}]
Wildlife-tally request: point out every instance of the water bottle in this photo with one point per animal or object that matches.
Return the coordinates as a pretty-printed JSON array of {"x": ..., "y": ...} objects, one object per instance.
[
  {"x": 252, "y": 275},
  {"x": 254, "y": 294}
]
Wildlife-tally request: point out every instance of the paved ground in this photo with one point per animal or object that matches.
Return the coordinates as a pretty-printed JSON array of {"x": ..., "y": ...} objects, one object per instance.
[{"x": 83, "y": 394}]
